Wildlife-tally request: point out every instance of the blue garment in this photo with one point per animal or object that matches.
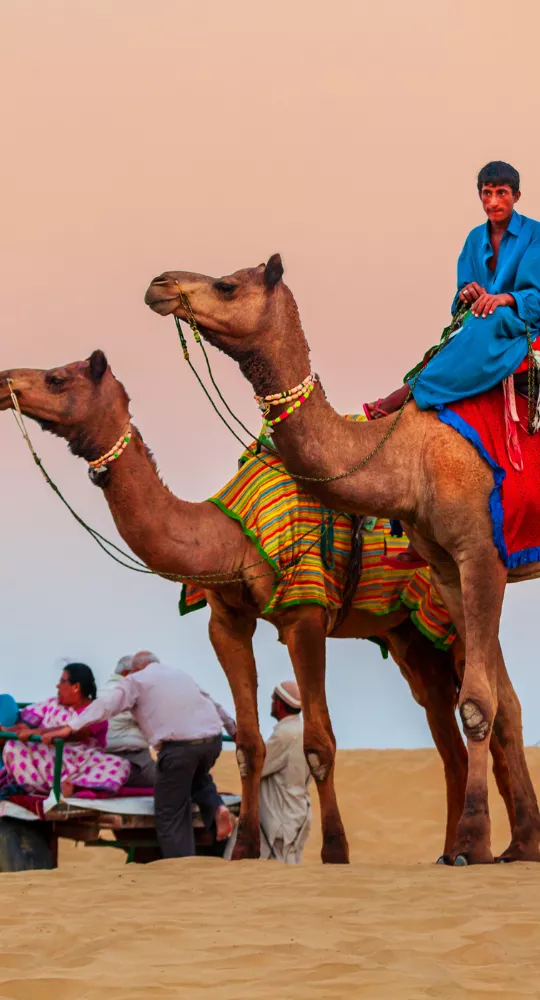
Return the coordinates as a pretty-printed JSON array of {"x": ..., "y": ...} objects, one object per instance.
[{"x": 486, "y": 351}]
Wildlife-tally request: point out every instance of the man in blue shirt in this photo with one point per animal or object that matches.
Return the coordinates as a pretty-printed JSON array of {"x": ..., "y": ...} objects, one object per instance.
[{"x": 499, "y": 278}]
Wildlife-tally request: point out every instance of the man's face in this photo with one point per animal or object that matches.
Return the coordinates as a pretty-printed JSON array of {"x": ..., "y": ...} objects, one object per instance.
[
  {"x": 274, "y": 708},
  {"x": 498, "y": 201}
]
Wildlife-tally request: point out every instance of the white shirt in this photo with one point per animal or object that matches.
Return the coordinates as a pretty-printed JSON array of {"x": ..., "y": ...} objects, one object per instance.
[
  {"x": 167, "y": 704},
  {"x": 123, "y": 733}
]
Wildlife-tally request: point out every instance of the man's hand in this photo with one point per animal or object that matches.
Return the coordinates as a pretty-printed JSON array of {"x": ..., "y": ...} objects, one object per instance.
[
  {"x": 486, "y": 304},
  {"x": 471, "y": 292}
]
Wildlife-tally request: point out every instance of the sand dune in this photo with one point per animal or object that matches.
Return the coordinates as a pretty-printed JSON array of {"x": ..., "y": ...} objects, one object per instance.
[{"x": 391, "y": 925}]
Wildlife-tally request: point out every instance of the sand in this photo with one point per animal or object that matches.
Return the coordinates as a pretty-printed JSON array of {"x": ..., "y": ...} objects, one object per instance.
[{"x": 391, "y": 925}]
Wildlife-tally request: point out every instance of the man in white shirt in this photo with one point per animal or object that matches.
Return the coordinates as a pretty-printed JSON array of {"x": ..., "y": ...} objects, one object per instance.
[
  {"x": 124, "y": 738},
  {"x": 184, "y": 726}
]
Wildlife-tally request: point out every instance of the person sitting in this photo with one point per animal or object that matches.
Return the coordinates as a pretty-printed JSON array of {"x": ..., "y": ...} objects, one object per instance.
[
  {"x": 183, "y": 725},
  {"x": 124, "y": 737},
  {"x": 496, "y": 309},
  {"x": 84, "y": 764}
]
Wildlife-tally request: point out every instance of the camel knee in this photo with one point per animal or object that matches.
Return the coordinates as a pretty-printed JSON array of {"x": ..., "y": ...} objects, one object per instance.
[
  {"x": 477, "y": 720},
  {"x": 250, "y": 756},
  {"x": 320, "y": 754}
]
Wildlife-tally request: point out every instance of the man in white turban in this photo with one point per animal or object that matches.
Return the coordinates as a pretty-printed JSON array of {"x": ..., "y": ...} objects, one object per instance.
[{"x": 285, "y": 804}]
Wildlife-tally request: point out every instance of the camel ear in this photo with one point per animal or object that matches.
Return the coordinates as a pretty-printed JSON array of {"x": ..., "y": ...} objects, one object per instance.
[
  {"x": 98, "y": 365},
  {"x": 273, "y": 271}
]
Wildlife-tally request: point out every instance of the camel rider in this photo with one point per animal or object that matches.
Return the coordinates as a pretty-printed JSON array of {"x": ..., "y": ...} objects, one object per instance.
[{"x": 499, "y": 279}]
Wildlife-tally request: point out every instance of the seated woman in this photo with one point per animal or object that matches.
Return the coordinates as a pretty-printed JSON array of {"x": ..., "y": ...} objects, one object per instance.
[{"x": 84, "y": 765}]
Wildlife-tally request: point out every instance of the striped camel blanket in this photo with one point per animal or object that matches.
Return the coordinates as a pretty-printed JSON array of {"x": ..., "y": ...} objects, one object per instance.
[{"x": 308, "y": 547}]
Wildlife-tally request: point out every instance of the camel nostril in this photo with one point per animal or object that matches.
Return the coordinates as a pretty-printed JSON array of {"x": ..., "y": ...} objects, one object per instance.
[{"x": 162, "y": 279}]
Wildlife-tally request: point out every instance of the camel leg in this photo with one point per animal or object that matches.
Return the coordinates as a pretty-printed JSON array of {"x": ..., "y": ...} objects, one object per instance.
[
  {"x": 304, "y": 630},
  {"x": 431, "y": 678},
  {"x": 500, "y": 765},
  {"x": 525, "y": 842},
  {"x": 474, "y": 602},
  {"x": 231, "y": 633}
]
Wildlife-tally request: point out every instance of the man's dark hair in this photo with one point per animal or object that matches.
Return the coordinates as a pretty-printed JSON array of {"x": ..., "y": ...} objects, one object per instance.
[
  {"x": 79, "y": 673},
  {"x": 498, "y": 172}
]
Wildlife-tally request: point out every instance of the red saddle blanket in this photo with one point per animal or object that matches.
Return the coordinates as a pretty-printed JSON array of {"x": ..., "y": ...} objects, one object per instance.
[{"x": 514, "y": 503}]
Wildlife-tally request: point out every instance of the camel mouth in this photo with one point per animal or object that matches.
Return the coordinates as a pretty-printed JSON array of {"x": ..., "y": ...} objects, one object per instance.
[
  {"x": 5, "y": 397},
  {"x": 164, "y": 307},
  {"x": 160, "y": 300}
]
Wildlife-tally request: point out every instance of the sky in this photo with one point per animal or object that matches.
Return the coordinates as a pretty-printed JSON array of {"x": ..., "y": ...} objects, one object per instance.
[{"x": 143, "y": 137}]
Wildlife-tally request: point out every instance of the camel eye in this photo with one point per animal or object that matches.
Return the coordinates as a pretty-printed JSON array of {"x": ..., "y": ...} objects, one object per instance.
[
  {"x": 56, "y": 381},
  {"x": 225, "y": 286}
]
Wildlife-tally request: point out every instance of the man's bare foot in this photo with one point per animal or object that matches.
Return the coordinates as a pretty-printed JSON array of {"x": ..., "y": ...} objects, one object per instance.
[
  {"x": 390, "y": 404},
  {"x": 225, "y": 823},
  {"x": 67, "y": 789}
]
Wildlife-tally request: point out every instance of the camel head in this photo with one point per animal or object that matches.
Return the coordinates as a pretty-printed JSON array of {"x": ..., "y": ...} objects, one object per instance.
[
  {"x": 80, "y": 402},
  {"x": 249, "y": 315},
  {"x": 233, "y": 307}
]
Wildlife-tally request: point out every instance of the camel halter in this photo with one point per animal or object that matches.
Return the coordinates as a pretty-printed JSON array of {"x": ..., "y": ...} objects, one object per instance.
[
  {"x": 126, "y": 559},
  {"x": 186, "y": 306},
  {"x": 297, "y": 397}
]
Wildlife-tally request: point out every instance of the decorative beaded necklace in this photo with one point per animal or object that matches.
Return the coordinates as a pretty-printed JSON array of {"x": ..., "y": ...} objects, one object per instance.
[
  {"x": 287, "y": 396},
  {"x": 101, "y": 463},
  {"x": 296, "y": 400}
]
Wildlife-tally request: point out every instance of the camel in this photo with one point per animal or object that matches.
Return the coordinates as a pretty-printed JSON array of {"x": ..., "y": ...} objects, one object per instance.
[
  {"x": 84, "y": 404},
  {"x": 413, "y": 468}
]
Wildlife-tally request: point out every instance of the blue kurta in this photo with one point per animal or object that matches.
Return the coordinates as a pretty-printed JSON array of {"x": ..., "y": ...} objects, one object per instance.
[{"x": 486, "y": 351}]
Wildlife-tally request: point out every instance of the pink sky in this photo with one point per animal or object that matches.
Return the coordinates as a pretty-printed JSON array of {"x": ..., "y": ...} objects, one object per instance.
[{"x": 206, "y": 136}]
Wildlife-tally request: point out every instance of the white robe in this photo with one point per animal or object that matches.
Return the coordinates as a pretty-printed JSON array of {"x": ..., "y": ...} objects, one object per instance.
[{"x": 285, "y": 804}]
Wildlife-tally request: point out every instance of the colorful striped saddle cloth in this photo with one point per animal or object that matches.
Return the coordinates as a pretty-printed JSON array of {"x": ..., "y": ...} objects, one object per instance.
[{"x": 308, "y": 547}]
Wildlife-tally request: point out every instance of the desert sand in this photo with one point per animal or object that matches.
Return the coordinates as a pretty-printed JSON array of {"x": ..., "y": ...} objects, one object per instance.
[{"x": 391, "y": 926}]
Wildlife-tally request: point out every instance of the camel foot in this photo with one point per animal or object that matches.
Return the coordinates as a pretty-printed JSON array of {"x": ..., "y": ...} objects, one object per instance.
[
  {"x": 245, "y": 852},
  {"x": 248, "y": 844},
  {"x": 335, "y": 850},
  {"x": 460, "y": 861},
  {"x": 474, "y": 856},
  {"x": 519, "y": 852}
]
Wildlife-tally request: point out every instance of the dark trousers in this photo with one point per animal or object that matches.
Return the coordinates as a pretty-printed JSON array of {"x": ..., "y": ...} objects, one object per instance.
[
  {"x": 143, "y": 768},
  {"x": 182, "y": 777}
]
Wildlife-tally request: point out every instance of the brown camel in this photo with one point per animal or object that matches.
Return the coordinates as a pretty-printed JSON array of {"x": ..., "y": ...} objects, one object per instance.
[
  {"x": 425, "y": 475},
  {"x": 87, "y": 406}
]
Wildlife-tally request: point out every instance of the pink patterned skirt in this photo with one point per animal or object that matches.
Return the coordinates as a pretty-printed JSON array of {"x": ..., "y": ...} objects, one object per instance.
[{"x": 32, "y": 766}]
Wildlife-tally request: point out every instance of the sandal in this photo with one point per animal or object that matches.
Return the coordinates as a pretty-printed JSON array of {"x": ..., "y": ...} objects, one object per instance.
[{"x": 373, "y": 410}]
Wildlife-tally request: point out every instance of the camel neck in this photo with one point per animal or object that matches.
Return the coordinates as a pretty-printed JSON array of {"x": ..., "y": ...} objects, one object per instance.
[
  {"x": 170, "y": 535},
  {"x": 315, "y": 441}
]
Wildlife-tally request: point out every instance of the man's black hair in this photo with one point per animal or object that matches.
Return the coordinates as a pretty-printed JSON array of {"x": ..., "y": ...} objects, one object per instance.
[{"x": 498, "y": 172}]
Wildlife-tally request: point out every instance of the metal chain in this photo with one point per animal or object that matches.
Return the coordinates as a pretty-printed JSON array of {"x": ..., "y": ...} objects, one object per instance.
[{"x": 531, "y": 387}]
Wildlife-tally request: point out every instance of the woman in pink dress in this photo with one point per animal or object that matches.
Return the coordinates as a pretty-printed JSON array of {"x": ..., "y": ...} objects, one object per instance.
[{"x": 84, "y": 765}]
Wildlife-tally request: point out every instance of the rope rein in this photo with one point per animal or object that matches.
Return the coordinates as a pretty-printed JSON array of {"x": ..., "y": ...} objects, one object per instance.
[{"x": 135, "y": 564}]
